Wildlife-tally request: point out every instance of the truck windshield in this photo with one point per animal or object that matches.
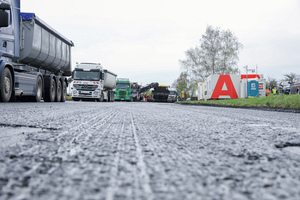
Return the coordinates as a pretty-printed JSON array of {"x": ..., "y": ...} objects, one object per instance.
[
  {"x": 86, "y": 75},
  {"x": 123, "y": 86}
]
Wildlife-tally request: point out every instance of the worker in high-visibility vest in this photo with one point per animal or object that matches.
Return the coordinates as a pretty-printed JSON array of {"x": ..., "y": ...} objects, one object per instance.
[
  {"x": 274, "y": 91},
  {"x": 182, "y": 97},
  {"x": 267, "y": 92}
]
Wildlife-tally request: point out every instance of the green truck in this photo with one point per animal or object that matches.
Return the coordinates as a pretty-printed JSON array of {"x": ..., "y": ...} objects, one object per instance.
[{"x": 123, "y": 90}]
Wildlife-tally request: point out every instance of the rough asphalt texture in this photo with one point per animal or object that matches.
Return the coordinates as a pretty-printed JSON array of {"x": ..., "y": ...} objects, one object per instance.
[{"x": 127, "y": 151}]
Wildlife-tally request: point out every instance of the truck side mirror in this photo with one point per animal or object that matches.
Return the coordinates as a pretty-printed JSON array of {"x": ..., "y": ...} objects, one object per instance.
[
  {"x": 4, "y": 22},
  {"x": 70, "y": 80},
  {"x": 3, "y": 19},
  {"x": 4, "y": 6}
]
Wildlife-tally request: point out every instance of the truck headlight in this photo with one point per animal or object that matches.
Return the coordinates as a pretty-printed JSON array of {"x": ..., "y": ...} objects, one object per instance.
[{"x": 75, "y": 91}]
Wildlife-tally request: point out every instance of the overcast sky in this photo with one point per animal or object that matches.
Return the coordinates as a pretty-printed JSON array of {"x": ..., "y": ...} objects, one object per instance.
[{"x": 144, "y": 40}]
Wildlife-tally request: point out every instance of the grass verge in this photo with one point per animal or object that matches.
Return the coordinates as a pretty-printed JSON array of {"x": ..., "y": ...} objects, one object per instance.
[{"x": 273, "y": 101}]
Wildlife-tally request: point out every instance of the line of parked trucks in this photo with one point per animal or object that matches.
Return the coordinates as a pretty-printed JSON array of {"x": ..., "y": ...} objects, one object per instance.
[
  {"x": 92, "y": 82},
  {"x": 35, "y": 64}
]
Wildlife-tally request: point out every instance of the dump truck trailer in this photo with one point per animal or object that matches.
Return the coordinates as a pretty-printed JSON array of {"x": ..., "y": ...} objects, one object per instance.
[
  {"x": 92, "y": 82},
  {"x": 35, "y": 60}
]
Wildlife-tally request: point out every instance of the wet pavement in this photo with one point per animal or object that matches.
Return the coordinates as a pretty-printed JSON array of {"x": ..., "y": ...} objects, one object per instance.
[{"x": 138, "y": 150}]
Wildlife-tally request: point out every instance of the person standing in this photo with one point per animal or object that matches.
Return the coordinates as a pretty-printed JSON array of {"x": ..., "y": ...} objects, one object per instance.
[{"x": 267, "y": 92}]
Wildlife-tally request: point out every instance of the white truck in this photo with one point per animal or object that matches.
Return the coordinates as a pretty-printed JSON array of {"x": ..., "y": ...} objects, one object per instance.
[{"x": 92, "y": 82}]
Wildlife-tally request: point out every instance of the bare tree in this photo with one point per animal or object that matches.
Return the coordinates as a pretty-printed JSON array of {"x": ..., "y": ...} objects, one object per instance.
[
  {"x": 271, "y": 83},
  {"x": 210, "y": 48},
  {"x": 289, "y": 77},
  {"x": 193, "y": 63},
  {"x": 229, "y": 50},
  {"x": 216, "y": 54},
  {"x": 182, "y": 84}
]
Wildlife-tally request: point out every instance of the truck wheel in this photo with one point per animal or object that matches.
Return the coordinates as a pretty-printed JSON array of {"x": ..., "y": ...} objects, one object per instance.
[
  {"x": 38, "y": 90},
  {"x": 6, "y": 85},
  {"x": 58, "y": 92},
  {"x": 50, "y": 92},
  {"x": 101, "y": 98},
  {"x": 112, "y": 96},
  {"x": 64, "y": 92}
]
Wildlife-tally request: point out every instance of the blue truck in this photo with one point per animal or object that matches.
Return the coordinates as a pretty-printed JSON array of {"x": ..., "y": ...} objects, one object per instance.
[{"x": 35, "y": 60}]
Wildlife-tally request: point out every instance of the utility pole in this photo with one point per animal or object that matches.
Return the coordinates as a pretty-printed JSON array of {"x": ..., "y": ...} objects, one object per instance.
[{"x": 246, "y": 80}]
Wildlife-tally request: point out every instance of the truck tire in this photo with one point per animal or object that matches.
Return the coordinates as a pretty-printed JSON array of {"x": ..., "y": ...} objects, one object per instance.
[
  {"x": 38, "y": 90},
  {"x": 6, "y": 85},
  {"x": 112, "y": 96},
  {"x": 101, "y": 98},
  {"x": 50, "y": 92},
  {"x": 58, "y": 91},
  {"x": 64, "y": 92}
]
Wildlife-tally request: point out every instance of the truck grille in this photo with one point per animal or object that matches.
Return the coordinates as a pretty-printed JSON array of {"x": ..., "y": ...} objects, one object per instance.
[
  {"x": 122, "y": 94},
  {"x": 85, "y": 87}
]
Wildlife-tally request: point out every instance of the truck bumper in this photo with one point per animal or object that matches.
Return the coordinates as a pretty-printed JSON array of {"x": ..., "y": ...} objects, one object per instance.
[
  {"x": 86, "y": 95},
  {"x": 122, "y": 98}
]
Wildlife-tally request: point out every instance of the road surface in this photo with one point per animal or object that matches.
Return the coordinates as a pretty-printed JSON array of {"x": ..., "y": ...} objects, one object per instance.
[{"x": 147, "y": 151}]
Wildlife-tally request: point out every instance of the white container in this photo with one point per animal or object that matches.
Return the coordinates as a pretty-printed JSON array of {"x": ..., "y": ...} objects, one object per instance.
[{"x": 227, "y": 86}]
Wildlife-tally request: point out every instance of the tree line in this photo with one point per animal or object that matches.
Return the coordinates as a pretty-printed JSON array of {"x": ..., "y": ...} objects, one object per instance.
[{"x": 217, "y": 53}]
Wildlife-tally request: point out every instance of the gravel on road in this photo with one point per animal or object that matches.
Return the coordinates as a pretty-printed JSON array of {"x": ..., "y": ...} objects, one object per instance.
[{"x": 144, "y": 150}]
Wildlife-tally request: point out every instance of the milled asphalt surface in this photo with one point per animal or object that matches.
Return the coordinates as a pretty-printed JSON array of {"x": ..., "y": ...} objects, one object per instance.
[{"x": 138, "y": 150}]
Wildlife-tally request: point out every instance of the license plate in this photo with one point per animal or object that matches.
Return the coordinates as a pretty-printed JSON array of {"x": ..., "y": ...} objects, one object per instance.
[{"x": 85, "y": 92}]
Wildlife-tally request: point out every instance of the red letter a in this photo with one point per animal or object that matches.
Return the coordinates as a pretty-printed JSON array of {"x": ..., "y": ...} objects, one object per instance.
[{"x": 224, "y": 79}]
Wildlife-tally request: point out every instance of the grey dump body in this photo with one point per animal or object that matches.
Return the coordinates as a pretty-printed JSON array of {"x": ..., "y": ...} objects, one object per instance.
[
  {"x": 109, "y": 79},
  {"x": 44, "y": 48}
]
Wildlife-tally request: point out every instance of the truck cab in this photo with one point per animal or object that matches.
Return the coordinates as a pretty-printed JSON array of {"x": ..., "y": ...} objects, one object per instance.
[
  {"x": 135, "y": 91},
  {"x": 123, "y": 90},
  {"x": 172, "y": 95},
  {"x": 92, "y": 82}
]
